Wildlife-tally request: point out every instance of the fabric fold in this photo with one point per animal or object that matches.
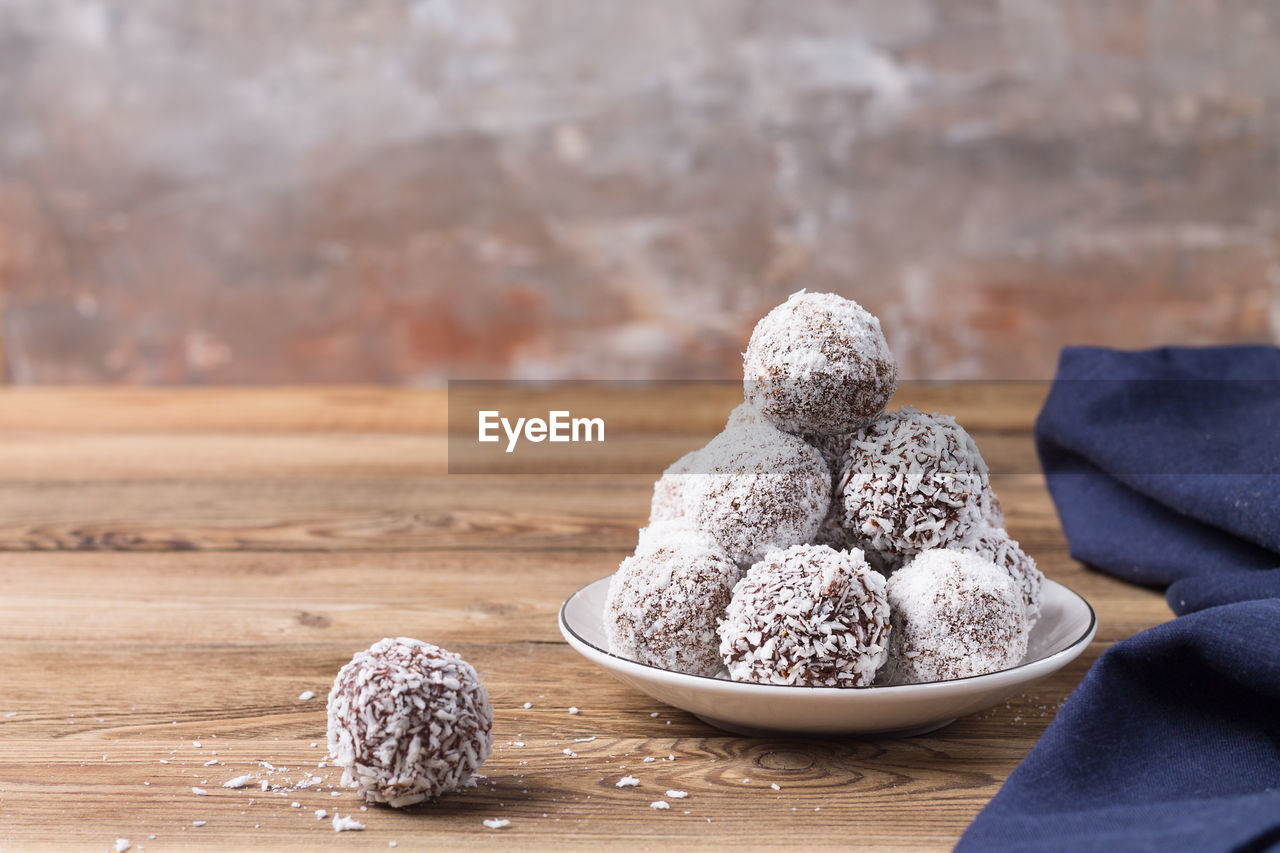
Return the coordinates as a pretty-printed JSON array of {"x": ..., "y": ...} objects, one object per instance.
[{"x": 1164, "y": 467}]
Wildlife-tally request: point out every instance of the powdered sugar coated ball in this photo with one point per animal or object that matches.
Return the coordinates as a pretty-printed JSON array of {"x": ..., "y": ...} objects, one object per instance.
[
  {"x": 668, "y": 491},
  {"x": 665, "y": 601},
  {"x": 408, "y": 721},
  {"x": 675, "y": 532},
  {"x": 995, "y": 545},
  {"x": 744, "y": 414},
  {"x": 763, "y": 489},
  {"x": 911, "y": 482},
  {"x": 818, "y": 363},
  {"x": 954, "y": 615},
  {"x": 809, "y": 616}
]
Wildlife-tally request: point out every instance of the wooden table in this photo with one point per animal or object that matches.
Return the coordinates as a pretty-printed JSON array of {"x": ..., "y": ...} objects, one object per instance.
[{"x": 178, "y": 567}]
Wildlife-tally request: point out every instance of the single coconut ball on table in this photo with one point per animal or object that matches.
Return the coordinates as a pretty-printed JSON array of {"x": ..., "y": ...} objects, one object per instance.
[
  {"x": 762, "y": 489},
  {"x": 954, "y": 615},
  {"x": 995, "y": 545},
  {"x": 408, "y": 721},
  {"x": 665, "y": 601},
  {"x": 910, "y": 482},
  {"x": 818, "y": 363},
  {"x": 810, "y": 616}
]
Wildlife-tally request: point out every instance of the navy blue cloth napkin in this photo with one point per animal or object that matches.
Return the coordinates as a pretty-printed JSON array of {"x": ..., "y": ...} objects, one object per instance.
[{"x": 1164, "y": 466}]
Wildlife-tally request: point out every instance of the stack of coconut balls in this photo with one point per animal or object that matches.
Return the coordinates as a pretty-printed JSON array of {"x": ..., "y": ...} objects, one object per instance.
[{"x": 820, "y": 540}]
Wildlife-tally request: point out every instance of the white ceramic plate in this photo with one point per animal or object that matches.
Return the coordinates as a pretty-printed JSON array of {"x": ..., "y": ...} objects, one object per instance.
[{"x": 1066, "y": 626}]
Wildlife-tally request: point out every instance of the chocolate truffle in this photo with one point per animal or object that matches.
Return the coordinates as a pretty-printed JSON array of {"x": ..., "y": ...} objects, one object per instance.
[
  {"x": 953, "y": 615},
  {"x": 911, "y": 482},
  {"x": 665, "y": 601},
  {"x": 763, "y": 489},
  {"x": 994, "y": 545},
  {"x": 408, "y": 721},
  {"x": 809, "y": 616},
  {"x": 668, "y": 491},
  {"x": 818, "y": 363}
]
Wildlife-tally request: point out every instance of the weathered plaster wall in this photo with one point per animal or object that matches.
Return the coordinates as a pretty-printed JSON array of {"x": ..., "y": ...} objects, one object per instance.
[{"x": 295, "y": 190}]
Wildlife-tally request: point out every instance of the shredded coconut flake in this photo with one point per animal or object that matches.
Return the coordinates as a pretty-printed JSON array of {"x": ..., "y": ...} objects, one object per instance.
[
  {"x": 237, "y": 782},
  {"x": 677, "y": 795},
  {"x": 628, "y": 782},
  {"x": 660, "y": 805},
  {"x": 306, "y": 695},
  {"x": 346, "y": 824},
  {"x": 497, "y": 823}
]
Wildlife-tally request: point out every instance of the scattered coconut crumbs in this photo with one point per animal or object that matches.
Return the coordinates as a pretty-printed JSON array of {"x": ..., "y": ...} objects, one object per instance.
[
  {"x": 660, "y": 805},
  {"x": 306, "y": 696},
  {"x": 321, "y": 814},
  {"x": 528, "y": 705},
  {"x": 775, "y": 786},
  {"x": 677, "y": 795},
  {"x": 569, "y": 752},
  {"x": 628, "y": 782},
  {"x": 346, "y": 824},
  {"x": 122, "y": 844},
  {"x": 573, "y": 709},
  {"x": 200, "y": 792},
  {"x": 199, "y": 822},
  {"x": 497, "y": 823}
]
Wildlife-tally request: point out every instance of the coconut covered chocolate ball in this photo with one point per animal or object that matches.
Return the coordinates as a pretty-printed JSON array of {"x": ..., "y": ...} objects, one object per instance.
[
  {"x": 911, "y": 482},
  {"x": 818, "y": 363},
  {"x": 668, "y": 491},
  {"x": 954, "y": 615},
  {"x": 809, "y": 616},
  {"x": 762, "y": 489},
  {"x": 994, "y": 545},
  {"x": 665, "y": 602},
  {"x": 408, "y": 721}
]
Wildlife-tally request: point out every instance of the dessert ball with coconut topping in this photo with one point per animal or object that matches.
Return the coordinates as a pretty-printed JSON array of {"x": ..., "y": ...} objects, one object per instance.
[
  {"x": 762, "y": 489},
  {"x": 912, "y": 482},
  {"x": 408, "y": 721},
  {"x": 809, "y": 616},
  {"x": 818, "y": 363},
  {"x": 665, "y": 602},
  {"x": 994, "y": 545},
  {"x": 668, "y": 491},
  {"x": 954, "y": 615}
]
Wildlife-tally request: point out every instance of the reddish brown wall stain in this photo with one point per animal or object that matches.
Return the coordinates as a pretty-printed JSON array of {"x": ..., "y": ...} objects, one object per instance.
[{"x": 403, "y": 192}]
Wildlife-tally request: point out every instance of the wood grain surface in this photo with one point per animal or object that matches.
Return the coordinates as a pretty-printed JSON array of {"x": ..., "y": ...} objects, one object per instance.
[{"x": 178, "y": 567}]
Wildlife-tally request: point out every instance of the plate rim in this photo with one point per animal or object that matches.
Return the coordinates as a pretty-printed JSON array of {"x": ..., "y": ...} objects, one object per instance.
[{"x": 1071, "y": 651}]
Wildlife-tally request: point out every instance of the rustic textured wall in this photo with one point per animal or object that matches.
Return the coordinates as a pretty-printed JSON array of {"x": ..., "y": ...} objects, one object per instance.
[{"x": 297, "y": 190}]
